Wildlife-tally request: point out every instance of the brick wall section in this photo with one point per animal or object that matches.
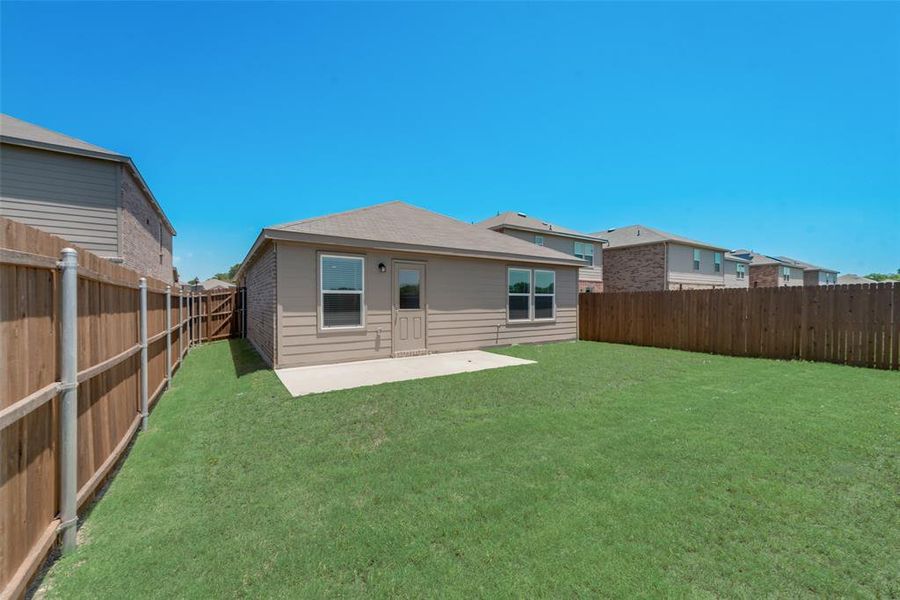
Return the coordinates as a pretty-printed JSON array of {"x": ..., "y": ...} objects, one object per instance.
[
  {"x": 764, "y": 276},
  {"x": 634, "y": 268},
  {"x": 260, "y": 282},
  {"x": 141, "y": 229},
  {"x": 594, "y": 286}
]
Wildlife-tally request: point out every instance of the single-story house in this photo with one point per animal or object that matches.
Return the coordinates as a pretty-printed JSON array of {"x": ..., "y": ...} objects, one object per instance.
[
  {"x": 853, "y": 279},
  {"x": 397, "y": 280},
  {"x": 212, "y": 284},
  {"x": 568, "y": 241}
]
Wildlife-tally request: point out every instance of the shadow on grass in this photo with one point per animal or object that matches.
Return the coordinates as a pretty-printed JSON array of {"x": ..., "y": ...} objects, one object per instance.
[{"x": 244, "y": 358}]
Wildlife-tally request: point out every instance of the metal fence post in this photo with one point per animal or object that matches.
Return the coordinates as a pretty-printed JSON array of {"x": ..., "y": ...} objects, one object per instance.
[
  {"x": 68, "y": 411},
  {"x": 168, "y": 336},
  {"x": 144, "y": 409}
]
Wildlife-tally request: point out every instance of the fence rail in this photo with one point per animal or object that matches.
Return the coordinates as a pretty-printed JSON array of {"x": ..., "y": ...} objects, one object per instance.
[
  {"x": 86, "y": 348},
  {"x": 847, "y": 324}
]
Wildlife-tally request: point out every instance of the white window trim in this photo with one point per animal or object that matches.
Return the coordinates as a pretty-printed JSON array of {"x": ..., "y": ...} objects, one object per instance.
[
  {"x": 739, "y": 270},
  {"x": 696, "y": 259},
  {"x": 361, "y": 293},
  {"x": 539, "y": 240},
  {"x": 528, "y": 295},
  {"x": 717, "y": 262},
  {"x": 583, "y": 255},
  {"x": 534, "y": 295}
]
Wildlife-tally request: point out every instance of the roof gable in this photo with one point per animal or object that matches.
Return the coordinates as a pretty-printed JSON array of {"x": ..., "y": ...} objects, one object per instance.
[
  {"x": 402, "y": 224},
  {"x": 633, "y": 235}
]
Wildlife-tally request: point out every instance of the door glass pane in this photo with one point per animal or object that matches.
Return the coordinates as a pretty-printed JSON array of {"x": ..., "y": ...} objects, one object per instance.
[
  {"x": 409, "y": 288},
  {"x": 341, "y": 310}
]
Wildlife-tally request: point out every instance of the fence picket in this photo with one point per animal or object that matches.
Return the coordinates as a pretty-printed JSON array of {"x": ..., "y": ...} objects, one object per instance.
[{"x": 856, "y": 325}]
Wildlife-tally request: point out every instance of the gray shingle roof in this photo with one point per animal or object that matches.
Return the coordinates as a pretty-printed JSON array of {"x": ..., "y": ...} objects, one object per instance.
[
  {"x": 764, "y": 259},
  {"x": 402, "y": 224},
  {"x": 514, "y": 220},
  {"x": 18, "y": 132},
  {"x": 853, "y": 278},
  {"x": 633, "y": 235},
  {"x": 22, "y": 130}
]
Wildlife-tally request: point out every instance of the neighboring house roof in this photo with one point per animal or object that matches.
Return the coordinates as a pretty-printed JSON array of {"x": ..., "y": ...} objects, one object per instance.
[
  {"x": 764, "y": 259},
  {"x": 804, "y": 265},
  {"x": 735, "y": 258},
  {"x": 521, "y": 221},
  {"x": 22, "y": 133},
  {"x": 403, "y": 227},
  {"x": 636, "y": 235},
  {"x": 212, "y": 283},
  {"x": 853, "y": 278}
]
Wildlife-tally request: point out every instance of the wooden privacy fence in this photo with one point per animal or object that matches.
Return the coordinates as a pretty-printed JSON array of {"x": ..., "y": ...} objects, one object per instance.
[
  {"x": 847, "y": 324},
  {"x": 86, "y": 348}
]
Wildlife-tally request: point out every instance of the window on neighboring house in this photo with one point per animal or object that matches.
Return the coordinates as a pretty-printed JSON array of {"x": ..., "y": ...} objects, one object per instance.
[
  {"x": 519, "y": 299},
  {"x": 539, "y": 240},
  {"x": 585, "y": 252},
  {"x": 717, "y": 262},
  {"x": 740, "y": 270},
  {"x": 341, "y": 290},
  {"x": 544, "y": 294},
  {"x": 696, "y": 259},
  {"x": 786, "y": 273}
]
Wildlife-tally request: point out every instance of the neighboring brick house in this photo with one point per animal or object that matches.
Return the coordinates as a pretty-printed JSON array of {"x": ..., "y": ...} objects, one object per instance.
[
  {"x": 783, "y": 271},
  {"x": 581, "y": 245},
  {"x": 639, "y": 258},
  {"x": 91, "y": 196}
]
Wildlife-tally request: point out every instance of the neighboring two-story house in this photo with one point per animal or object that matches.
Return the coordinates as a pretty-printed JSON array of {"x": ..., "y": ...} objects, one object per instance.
[
  {"x": 88, "y": 195},
  {"x": 581, "y": 245},
  {"x": 737, "y": 271},
  {"x": 638, "y": 258},
  {"x": 783, "y": 271}
]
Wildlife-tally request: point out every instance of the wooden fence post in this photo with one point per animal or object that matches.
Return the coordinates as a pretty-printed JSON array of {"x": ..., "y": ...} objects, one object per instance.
[
  {"x": 168, "y": 336},
  {"x": 143, "y": 318},
  {"x": 68, "y": 412}
]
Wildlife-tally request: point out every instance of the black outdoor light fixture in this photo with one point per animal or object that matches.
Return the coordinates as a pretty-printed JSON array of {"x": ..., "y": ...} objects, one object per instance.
[{"x": 381, "y": 267}]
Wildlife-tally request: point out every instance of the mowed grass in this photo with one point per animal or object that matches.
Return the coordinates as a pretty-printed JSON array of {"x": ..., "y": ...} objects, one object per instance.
[{"x": 602, "y": 470}]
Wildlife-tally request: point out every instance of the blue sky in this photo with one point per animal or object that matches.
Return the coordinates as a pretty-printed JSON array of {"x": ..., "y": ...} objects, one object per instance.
[{"x": 762, "y": 125}]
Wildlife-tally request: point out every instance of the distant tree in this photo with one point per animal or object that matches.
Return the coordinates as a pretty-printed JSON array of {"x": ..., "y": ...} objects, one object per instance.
[
  {"x": 228, "y": 276},
  {"x": 194, "y": 281},
  {"x": 885, "y": 276}
]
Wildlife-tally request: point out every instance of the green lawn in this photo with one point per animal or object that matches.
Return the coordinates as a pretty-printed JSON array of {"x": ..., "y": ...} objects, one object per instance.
[{"x": 602, "y": 470}]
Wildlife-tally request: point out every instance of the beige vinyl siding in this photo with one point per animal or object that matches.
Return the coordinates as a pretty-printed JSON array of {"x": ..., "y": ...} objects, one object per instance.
[
  {"x": 567, "y": 246},
  {"x": 731, "y": 279},
  {"x": 680, "y": 261},
  {"x": 70, "y": 196},
  {"x": 465, "y": 307},
  {"x": 260, "y": 281}
]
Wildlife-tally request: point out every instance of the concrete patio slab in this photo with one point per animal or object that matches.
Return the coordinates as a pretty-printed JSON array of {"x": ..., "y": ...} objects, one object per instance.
[{"x": 325, "y": 378}]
